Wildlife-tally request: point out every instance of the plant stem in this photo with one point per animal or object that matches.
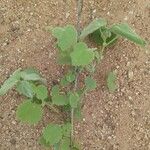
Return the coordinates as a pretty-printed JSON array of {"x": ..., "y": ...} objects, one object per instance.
[
  {"x": 112, "y": 41},
  {"x": 72, "y": 127},
  {"x": 72, "y": 110},
  {"x": 79, "y": 12},
  {"x": 103, "y": 48}
]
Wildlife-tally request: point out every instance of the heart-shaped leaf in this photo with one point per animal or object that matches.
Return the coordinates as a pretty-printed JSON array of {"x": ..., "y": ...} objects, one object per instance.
[
  {"x": 82, "y": 55},
  {"x": 67, "y": 37},
  {"x": 29, "y": 112},
  {"x": 60, "y": 100},
  {"x": 52, "y": 134},
  {"x": 41, "y": 92},
  {"x": 55, "y": 90},
  {"x": 57, "y": 32},
  {"x": 90, "y": 83}
]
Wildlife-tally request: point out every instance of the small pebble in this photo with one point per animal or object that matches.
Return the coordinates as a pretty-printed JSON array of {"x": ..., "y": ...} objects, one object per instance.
[{"x": 130, "y": 74}]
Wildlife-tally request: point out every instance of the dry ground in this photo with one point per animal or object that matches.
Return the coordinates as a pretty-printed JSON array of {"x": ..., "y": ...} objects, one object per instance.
[{"x": 119, "y": 121}]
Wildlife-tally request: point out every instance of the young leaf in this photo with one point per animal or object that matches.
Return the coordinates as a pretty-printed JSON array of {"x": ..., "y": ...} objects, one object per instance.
[
  {"x": 56, "y": 146},
  {"x": 68, "y": 38},
  {"x": 70, "y": 77},
  {"x": 41, "y": 92},
  {"x": 57, "y": 32},
  {"x": 52, "y": 134},
  {"x": 10, "y": 82},
  {"x": 64, "y": 81},
  {"x": 73, "y": 99},
  {"x": 65, "y": 144},
  {"x": 90, "y": 83},
  {"x": 60, "y": 100},
  {"x": 93, "y": 26},
  {"x": 31, "y": 70},
  {"x": 125, "y": 31},
  {"x": 25, "y": 88},
  {"x": 31, "y": 75},
  {"x": 82, "y": 55},
  {"x": 43, "y": 142},
  {"x": 29, "y": 112},
  {"x": 111, "y": 82},
  {"x": 55, "y": 90},
  {"x": 66, "y": 128}
]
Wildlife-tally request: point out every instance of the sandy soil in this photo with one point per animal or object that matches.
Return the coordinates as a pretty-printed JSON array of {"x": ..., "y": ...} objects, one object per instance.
[{"x": 119, "y": 121}]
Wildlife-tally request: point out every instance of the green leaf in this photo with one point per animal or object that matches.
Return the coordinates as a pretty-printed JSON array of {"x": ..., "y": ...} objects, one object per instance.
[
  {"x": 10, "y": 82},
  {"x": 55, "y": 90},
  {"x": 125, "y": 31},
  {"x": 93, "y": 26},
  {"x": 64, "y": 81},
  {"x": 56, "y": 146},
  {"x": 57, "y": 32},
  {"x": 111, "y": 82},
  {"x": 74, "y": 99},
  {"x": 68, "y": 38},
  {"x": 29, "y": 112},
  {"x": 82, "y": 55},
  {"x": 25, "y": 88},
  {"x": 66, "y": 128},
  {"x": 60, "y": 100},
  {"x": 52, "y": 134},
  {"x": 31, "y": 70},
  {"x": 65, "y": 144},
  {"x": 70, "y": 77},
  {"x": 31, "y": 75},
  {"x": 90, "y": 83},
  {"x": 41, "y": 92},
  {"x": 43, "y": 142}
]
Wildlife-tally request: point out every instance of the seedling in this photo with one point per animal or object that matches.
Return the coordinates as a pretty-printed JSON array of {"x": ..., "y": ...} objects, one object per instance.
[{"x": 69, "y": 93}]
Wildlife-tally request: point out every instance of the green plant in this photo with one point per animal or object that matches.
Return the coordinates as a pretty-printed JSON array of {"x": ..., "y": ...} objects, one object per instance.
[{"x": 69, "y": 93}]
